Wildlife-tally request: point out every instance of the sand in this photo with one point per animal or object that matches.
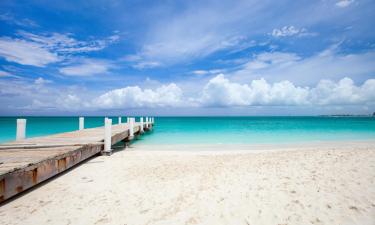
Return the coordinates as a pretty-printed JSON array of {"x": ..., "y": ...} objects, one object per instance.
[{"x": 303, "y": 184}]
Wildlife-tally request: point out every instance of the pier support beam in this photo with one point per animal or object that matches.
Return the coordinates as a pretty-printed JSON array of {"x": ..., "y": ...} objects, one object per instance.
[
  {"x": 119, "y": 120},
  {"x": 141, "y": 127},
  {"x": 131, "y": 128},
  {"x": 21, "y": 129},
  {"x": 81, "y": 123},
  {"x": 107, "y": 137}
]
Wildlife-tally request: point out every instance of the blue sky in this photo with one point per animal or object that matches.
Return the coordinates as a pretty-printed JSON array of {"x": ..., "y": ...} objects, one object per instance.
[{"x": 187, "y": 57}]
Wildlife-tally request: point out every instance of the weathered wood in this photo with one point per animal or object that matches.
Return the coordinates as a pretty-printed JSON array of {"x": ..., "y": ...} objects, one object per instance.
[{"x": 27, "y": 162}]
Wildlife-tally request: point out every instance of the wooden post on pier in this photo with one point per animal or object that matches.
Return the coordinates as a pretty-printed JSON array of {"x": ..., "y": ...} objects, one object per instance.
[
  {"x": 141, "y": 127},
  {"x": 147, "y": 122},
  {"x": 127, "y": 119},
  {"x": 81, "y": 123},
  {"x": 21, "y": 129},
  {"x": 107, "y": 136},
  {"x": 119, "y": 120},
  {"x": 131, "y": 128}
]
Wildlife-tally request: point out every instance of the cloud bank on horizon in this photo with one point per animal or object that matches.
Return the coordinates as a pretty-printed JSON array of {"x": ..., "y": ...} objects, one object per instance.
[{"x": 187, "y": 58}]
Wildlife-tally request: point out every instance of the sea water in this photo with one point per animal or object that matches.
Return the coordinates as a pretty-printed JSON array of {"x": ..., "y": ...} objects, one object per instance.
[{"x": 215, "y": 130}]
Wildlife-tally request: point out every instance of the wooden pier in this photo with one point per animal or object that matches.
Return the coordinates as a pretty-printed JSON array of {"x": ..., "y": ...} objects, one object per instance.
[{"x": 27, "y": 162}]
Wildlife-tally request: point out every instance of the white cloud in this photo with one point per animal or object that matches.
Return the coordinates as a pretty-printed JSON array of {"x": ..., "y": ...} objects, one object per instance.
[
  {"x": 40, "y": 50},
  {"x": 287, "y": 31},
  {"x": 200, "y": 29},
  {"x": 70, "y": 102},
  {"x": 344, "y": 3},
  {"x": 4, "y": 73},
  {"x": 7, "y": 74},
  {"x": 219, "y": 91},
  {"x": 9, "y": 18},
  {"x": 135, "y": 97},
  {"x": 146, "y": 64},
  {"x": 138, "y": 61},
  {"x": 22, "y": 94},
  {"x": 328, "y": 64},
  {"x": 41, "y": 81},
  {"x": 66, "y": 43},
  {"x": 205, "y": 72},
  {"x": 344, "y": 92},
  {"x": 87, "y": 67},
  {"x": 26, "y": 53}
]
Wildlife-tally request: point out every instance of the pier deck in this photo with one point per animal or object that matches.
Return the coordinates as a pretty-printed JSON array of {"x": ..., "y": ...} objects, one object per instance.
[{"x": 28, "y": 162}]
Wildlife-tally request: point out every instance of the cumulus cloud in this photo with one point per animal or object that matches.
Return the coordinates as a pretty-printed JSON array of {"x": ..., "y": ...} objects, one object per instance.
[
  {"x": 135, "y": 97},
  {"x": 87, "y": 67},
  {"x": 344, "y": 3},
  {"x": 219, "y": 91},
  {"x": 344, "y": 92}
]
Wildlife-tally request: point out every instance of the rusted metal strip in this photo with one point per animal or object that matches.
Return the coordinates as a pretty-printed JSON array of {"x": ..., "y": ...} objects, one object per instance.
[{"x": 17, "y": 181}]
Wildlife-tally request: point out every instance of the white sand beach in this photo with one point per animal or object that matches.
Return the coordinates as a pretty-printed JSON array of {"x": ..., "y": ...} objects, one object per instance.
[{"x": 303, "y": 184}]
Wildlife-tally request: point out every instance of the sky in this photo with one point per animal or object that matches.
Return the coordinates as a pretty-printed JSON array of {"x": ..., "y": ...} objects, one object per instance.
[{"x": 163, "y": 58}]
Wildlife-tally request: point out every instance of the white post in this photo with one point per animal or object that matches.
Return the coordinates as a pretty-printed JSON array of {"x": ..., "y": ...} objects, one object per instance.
[
  {"x": 146, "y": 121},
  {"x": 107, "y": 136},
  {"x": 141, "y": 121},
  {"x": 21, "y": 129},
  {"x": 131, "y": 128},
  {"x": 81, "y": 123},
  {"x": 119, "y": 120}
]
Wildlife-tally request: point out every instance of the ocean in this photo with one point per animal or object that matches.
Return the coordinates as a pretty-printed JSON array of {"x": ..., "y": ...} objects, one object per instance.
[{"x": 215, "y": 130}]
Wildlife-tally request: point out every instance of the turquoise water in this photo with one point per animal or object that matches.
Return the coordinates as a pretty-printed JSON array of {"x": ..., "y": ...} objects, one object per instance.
[{"x": 213, "y": 130}]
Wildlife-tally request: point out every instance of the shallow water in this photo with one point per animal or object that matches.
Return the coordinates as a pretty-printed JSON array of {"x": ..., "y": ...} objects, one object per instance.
[{"x": 214, "y": 130}]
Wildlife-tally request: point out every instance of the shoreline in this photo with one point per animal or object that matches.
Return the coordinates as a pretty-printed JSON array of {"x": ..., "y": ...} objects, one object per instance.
[
  {"x": 317, "y": 184},
  {"x": 252, "y": 148}
]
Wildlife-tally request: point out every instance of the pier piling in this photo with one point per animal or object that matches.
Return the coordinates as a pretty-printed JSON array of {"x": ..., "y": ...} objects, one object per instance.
[
  {"x": 81, "y": 123},
  {"x": 107, "y": 136},
  {"x": 21, "y": 129},
  {"x": 131, "y": 128},
  {"x": 141, "y": 127}
]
